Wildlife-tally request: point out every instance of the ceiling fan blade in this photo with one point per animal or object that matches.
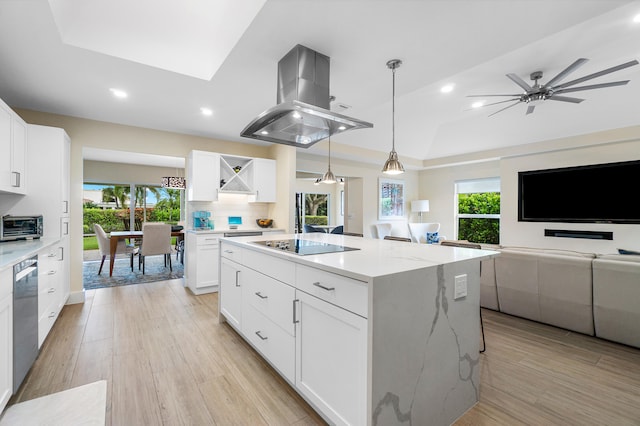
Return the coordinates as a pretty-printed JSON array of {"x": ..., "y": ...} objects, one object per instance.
[
  {"x": 598, "y": 74},
  {"x": 565, "y": 99},
  {"x": 571, "y": 68},
  {"x": 592, "y": 86},
  {"x": 507, "y": 107},
  {"x": 520, "y": 82},
  {"x": 530, "y": 109},
  {"x": 485, "y": 96}
]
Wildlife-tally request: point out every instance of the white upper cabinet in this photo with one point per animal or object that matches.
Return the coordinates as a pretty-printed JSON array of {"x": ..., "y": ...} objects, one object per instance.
[
  {"x": 209, "y": 173},
  {"x": 13, "y": 145},
  {"x": 202, "y": 176}
]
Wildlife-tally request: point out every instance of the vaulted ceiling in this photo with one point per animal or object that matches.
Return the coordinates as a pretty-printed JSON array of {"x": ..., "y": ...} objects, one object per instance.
[{"x": 174, "y": 58}]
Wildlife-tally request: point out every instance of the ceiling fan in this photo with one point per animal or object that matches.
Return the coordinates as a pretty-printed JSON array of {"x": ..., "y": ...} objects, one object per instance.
[{"x": 537, "y": 92}]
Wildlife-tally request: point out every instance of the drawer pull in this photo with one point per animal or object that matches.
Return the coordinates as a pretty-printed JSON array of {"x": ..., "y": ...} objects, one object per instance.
[
  {"x": 229, "y": 251},
  {"x": 51, "y": 255},
  {"x": 295, "y": 320},
  {"x": 260, "y": 335},
  {"x": 52, "y": 272},
  {"x": 52, "y": 315},
  {"x": 237, "y": 278},
  {"x": 51, "y": 290},
  {"x": 261, "y": 296},
  {"x": 317, "y": 284}
]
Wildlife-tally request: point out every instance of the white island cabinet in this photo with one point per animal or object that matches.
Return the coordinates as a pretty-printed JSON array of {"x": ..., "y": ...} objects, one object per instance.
[
  {"x": 368, "y": 337},
  {"x": 6, "y": 336}
]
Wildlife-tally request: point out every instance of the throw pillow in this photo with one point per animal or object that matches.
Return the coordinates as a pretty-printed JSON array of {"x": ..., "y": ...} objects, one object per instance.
[{"x": 432, "y": 238}]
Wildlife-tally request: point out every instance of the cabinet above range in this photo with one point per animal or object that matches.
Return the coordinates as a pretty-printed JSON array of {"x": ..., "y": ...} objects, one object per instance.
[{"x": 210, "y": 173}]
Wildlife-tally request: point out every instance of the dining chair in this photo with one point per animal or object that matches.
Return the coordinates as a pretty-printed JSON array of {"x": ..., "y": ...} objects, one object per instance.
[
  {"x": 338, "y": 229},
  {"x": 156, "y": 240},
  {"x": 311, "y": 228},
  {"x": 104, "y": 245},
  {"x": 382, "y": 230}
]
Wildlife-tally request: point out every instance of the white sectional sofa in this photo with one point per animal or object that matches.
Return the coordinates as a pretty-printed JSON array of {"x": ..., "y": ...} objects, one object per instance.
[
  {"x": 597, "y": 295},
  {"x": 549, "y": 286},
  {"x": 616, "y": 298}
]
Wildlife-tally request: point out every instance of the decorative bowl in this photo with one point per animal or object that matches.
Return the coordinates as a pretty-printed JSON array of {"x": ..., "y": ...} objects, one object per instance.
[{"x": 264, "y": 223}]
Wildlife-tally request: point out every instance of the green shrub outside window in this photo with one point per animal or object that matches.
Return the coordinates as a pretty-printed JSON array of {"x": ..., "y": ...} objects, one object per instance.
[{"x": 479, "y": 229}]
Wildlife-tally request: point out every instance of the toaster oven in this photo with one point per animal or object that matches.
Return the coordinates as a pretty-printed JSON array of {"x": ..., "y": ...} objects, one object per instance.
[{"x": 20, "y": 227}]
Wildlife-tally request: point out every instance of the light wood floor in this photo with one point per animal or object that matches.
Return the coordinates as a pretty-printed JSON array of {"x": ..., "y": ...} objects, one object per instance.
[{"x": 169, "y": 362}]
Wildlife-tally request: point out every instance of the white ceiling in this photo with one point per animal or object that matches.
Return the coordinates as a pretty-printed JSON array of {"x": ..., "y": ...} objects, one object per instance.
[{"x": 65, "y": 62}]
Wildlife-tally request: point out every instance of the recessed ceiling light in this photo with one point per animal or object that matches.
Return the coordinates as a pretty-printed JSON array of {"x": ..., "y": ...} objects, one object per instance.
[
  {"x": 636, "y": 18},
  {"x": 206, "y": 111},
  {"x": 296, "y": 115},
  {"x": 447, "y": 88},
  {"x": 342, "y": 127},
  {"x": 118, "y": 93},
  {"x": 477, "y": 104},
  {"x": 264, "y": 132}
]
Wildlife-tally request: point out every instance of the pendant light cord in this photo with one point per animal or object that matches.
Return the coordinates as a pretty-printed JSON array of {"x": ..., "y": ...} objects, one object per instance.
[
  {"x": 393, "y": 110},
  {"x": 329, "y": 152}
]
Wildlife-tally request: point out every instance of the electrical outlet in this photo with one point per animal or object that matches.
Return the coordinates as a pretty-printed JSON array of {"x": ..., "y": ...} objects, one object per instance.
[{"x": 460, "y": 287}]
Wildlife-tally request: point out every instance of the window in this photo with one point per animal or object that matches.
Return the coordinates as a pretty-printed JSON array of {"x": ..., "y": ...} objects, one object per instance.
[{"x": 478, "y": 210}]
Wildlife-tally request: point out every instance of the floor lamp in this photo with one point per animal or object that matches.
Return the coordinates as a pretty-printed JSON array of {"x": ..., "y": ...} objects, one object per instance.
[{"x": 420, "y": 206}]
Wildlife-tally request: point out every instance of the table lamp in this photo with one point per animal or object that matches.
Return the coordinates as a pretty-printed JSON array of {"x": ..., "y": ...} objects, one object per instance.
[{"x": 420, "y": 206}]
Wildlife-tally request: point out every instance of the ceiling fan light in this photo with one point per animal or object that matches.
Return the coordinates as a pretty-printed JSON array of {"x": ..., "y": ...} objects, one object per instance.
[{"x": 393, "y": 166}]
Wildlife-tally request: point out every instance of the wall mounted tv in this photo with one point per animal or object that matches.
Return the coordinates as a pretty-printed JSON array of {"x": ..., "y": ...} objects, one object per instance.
[{"x": 598, "y": 193}]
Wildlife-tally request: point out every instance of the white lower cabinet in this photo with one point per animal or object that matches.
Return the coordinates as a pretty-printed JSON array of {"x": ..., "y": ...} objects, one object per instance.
[
  {"x": 53, "y": 290},
  {"x": 315, "y": 341},
  {"x": 6, "y": 348},
  {"x": 331, "y": 355},
  {"x": 231, "y": 286},
  {"x": 202, "y": 263}
]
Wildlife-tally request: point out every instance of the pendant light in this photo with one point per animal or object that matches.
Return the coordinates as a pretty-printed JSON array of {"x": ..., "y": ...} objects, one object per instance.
[
  {"x": 393, "y": 166},
  {"x": 329, "y": 177}
]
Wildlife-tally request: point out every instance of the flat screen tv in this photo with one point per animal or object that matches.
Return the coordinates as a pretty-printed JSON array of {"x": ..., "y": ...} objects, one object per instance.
[{"x": 597, "y": 193}]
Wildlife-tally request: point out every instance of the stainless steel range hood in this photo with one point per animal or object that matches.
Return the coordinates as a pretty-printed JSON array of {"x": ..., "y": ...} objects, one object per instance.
[{"x": 302, "y": 116}]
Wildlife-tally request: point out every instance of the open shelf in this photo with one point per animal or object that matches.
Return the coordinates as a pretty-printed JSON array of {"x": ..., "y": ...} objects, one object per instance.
[{"x": 235, "y": 174}]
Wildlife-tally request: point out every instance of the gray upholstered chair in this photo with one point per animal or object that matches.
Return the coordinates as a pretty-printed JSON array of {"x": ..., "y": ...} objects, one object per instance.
[
  {"x": 156, "y": 240},
  {"x": 104, "y": 245}
]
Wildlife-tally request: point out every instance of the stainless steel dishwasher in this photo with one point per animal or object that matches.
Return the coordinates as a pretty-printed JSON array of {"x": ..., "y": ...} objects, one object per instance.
[{"x": 25, "y": 318}]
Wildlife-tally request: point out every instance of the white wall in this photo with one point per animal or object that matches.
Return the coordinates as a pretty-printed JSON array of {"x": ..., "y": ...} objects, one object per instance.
[
  {"x": 369, "y": 174},
  {"x": 532, "y": 233},
  {"x": 437, "y": 185}
]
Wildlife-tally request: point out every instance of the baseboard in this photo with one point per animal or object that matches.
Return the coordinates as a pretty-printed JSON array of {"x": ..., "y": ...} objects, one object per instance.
[
  {"x": 75, "y": 297},
  {"x": 204, "y": 290}
]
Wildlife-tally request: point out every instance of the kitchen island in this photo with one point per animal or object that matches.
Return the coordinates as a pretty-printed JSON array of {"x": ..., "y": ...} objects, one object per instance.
[{"x": 381, "y": 333}]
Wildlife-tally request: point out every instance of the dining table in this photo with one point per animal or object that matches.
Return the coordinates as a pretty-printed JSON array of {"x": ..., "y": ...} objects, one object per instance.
[{"x": 116, "y": 236}]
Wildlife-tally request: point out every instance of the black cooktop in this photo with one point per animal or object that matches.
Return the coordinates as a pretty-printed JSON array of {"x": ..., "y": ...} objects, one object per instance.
[{"x": 304, "y": 247}]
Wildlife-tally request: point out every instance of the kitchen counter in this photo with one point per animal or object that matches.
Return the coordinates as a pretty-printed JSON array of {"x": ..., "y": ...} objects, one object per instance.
[
  {"x": 12, "y": 252},
  {"x": 376, "y": 258},
  {"x": 387, "y": 334},
  {"x": 239, "y": 230}
]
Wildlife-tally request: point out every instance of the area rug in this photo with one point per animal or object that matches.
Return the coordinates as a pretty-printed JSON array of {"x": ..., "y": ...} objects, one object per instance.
[
  {"x": 85, "y": 405},
  {"x": 123, "y": 275}
]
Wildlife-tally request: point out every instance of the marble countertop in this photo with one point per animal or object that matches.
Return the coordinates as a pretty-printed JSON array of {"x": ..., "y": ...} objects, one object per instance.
[
  {"x": 375, "y": 257},
  {"x": 12, "y": 252}
]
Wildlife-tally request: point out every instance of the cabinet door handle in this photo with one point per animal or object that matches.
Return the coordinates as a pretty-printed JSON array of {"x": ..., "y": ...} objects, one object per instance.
[
  {"x": 52, "y": 315},
  {"x": 261, "y": 296},
  {"x": 237, "y": 278},
  {"x": 317, "y": 284},
  {"x": 51, "y": 290},
  {"x": 260, "y": 335},
  {"x": 65, "y": 209},
  {"x": 17, "y": 179},
  {"x": 295, "y": 320}
]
